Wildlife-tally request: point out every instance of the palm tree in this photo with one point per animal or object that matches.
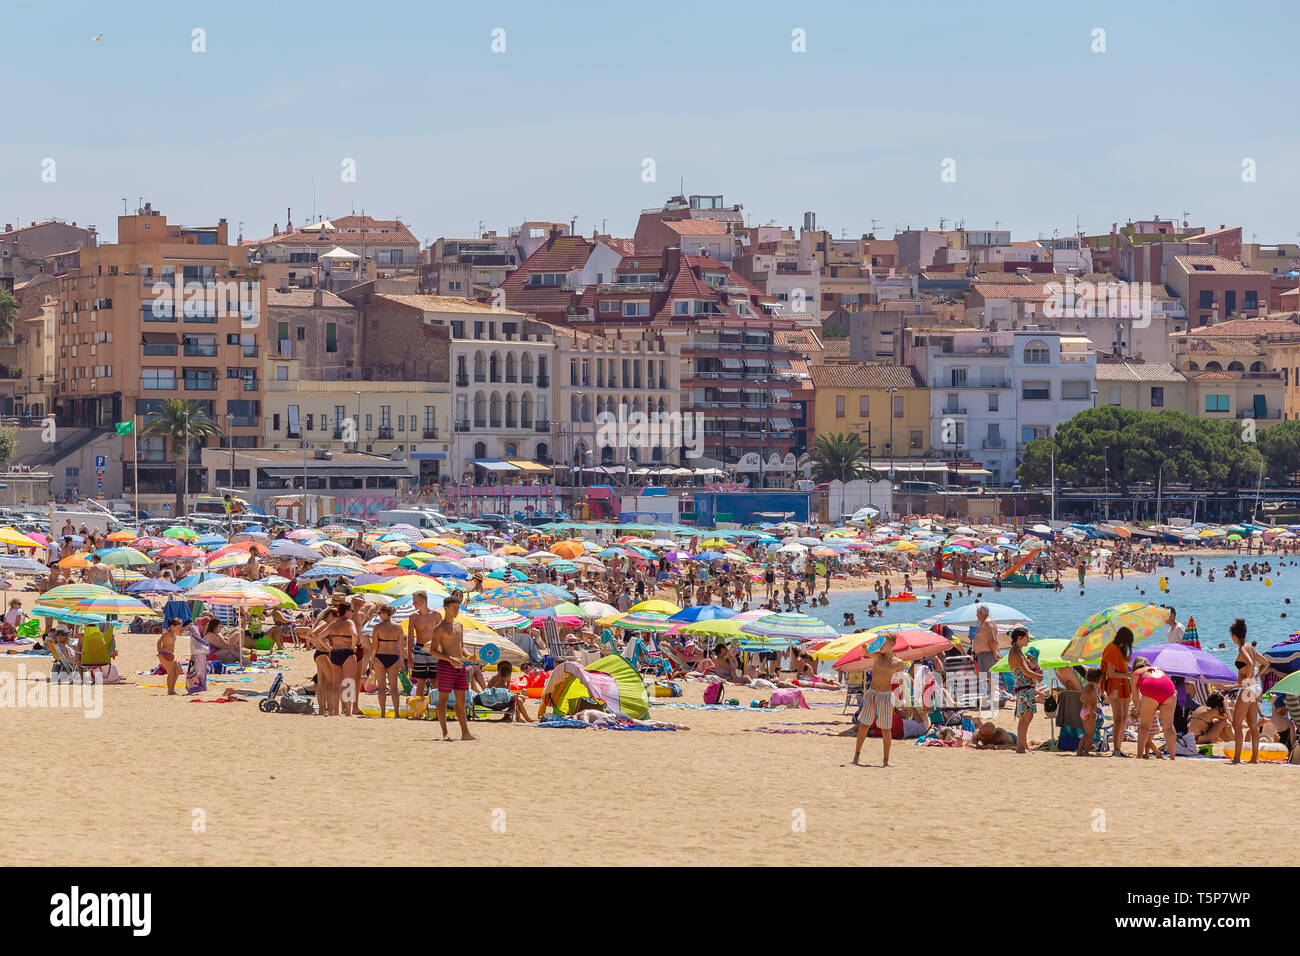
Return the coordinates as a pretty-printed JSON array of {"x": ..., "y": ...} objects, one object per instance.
[
  {"x": 839, "y": 457},
  {"x": 180, "y": 421},
  {"x": 8, "y": 312}
]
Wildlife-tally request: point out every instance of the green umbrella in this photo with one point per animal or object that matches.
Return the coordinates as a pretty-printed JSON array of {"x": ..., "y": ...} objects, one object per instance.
[
  {"x": 1050, "y": 651},
  {"x": 1289, "y": 685},
  {"x": 722, "y": 627}
]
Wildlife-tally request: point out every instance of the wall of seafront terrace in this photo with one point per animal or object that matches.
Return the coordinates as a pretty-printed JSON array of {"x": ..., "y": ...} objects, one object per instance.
[{"x": 746, "y": 507}]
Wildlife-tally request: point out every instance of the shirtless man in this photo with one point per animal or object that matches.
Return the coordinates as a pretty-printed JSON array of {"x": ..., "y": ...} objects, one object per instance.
[
  {"x": 342, "y": 638},
  {"x": 989, "y": 736},
  {"x": 449, "y": 648},
  {"x": 984, "y": 645},
  {"x": 98, "y": 572},
  {"x": 878, "y": 702},
  {"x": 419, "y": 633}
]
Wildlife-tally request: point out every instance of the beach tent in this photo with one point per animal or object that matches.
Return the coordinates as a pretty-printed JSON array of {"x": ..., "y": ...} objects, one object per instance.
[{"x": 611, "y": 679}]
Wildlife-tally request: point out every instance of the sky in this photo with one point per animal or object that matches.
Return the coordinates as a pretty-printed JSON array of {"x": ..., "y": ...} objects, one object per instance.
[{"x": 1039, "y": 120}]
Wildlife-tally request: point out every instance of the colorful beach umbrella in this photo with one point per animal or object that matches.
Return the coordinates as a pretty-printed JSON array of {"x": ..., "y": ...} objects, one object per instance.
[
  {"x": 911, "y": 644},
  {"x": 1099, "y": 630},
  {"x": 791, "y": 626},
  {"x": 525, "y": 598},
  {"x": 644, "y": 621}
]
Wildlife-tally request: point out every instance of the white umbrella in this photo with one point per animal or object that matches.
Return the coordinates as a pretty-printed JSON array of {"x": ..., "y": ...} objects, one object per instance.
[{"x": 483, "y": 562}]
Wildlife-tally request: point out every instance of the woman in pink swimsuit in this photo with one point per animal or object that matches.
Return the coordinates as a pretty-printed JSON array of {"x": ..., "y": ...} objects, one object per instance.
[{"x": 1156, "y": 693}]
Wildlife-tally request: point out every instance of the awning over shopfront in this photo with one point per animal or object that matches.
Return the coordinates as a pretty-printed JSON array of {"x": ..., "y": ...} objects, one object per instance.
[
  {"x": 524, "y": 464},
  {"x": 494, "y": 464}
]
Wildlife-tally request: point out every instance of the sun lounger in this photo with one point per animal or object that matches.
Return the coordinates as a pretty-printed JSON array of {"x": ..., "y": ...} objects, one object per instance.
[{"x": 855, "y": 685}]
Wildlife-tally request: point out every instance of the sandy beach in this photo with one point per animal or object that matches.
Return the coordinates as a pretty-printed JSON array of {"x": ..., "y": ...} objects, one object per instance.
[{"x": 158, "y": 780}]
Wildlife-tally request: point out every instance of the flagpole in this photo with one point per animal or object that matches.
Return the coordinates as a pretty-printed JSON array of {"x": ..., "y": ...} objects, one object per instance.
[{"x": 136, "y": 432}]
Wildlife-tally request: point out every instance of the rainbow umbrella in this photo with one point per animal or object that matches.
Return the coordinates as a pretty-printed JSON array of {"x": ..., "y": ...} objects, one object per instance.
[
  {"x": 236, "y": 560},
  {"x": 494, "y": 616},
  {"x": 125, "y": 576},
  {"x": 1099, "y": 630},
  {"x": 793, "y": 626},
  {"x": 184, "y": 534},
  {"x": 526, "y": 598},
  {"x": 1190, "y": 637},
  {"x": 123, "y": 557},
  {"x": 75, "y": 592},
  {"x": 118, "y": 604},
  {"x": 644, "y": 621}
]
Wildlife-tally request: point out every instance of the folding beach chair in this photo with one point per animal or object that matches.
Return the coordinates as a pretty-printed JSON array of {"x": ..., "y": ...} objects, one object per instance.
[
  {"x": 64, "y": 659},
  {"x": 1069, "y": 707},
  {"x": 855, "y": 686}
]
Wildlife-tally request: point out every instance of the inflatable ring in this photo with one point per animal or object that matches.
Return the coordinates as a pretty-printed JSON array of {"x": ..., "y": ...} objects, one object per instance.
[{"x": 489, "y": 653}]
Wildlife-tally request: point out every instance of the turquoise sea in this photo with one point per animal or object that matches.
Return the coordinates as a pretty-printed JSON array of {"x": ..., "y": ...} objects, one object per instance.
[{"x": 1059, "y": 613}]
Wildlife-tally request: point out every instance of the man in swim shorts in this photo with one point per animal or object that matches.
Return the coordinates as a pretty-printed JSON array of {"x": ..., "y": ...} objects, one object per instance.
[{"x": 448, "y": 647}]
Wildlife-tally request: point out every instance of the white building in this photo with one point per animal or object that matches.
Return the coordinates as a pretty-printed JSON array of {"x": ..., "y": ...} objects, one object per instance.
[{"x": 1055, "y": 376}]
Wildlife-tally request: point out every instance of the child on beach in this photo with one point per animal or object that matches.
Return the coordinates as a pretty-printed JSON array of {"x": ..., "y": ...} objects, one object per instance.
[
  {"x": 1090, "y": 700},
  {"x": 166, "y": 650},
  {"x": 878, "y": 703}
]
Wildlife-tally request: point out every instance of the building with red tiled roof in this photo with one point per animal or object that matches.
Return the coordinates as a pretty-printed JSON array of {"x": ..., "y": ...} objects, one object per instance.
[
  {"x": 1214, "y": 288},
  {"x": 550, "y": 283}
]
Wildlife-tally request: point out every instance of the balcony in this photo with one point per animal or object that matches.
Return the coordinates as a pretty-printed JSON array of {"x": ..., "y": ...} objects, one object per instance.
[
  {"x": 201, "y": 349},
  {"x": 385, "y": 433},
  {"x": 200, "y": 384},
  {"x": 543, "y": 381},
  {"x": 462, "y": 381},
  {"x": 480, "y": 423},
  {"x": 1272, "y": 413},
  {"x": 430, "y": 433},
  {"x": 995, "y": 443},
  {"x": 952, "y": 411},
  {"x": 985, "y": 352},
  {"x": 461, "y": 426},
  {"x": 158, "y": 384},
  {"x": 526, "y": 378},
  {"x": 495, "y": 423},
  {"x": 542, "y": 426}
]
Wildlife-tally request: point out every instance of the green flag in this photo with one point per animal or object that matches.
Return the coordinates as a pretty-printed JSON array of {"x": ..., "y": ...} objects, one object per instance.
[{"x": 124, "y": 428}]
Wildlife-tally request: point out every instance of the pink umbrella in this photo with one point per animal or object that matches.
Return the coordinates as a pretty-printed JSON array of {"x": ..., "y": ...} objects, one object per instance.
[{"x": 912, "y": 644}]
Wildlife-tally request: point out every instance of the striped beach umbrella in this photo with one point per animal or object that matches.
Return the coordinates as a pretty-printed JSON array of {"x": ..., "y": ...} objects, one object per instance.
[
  {"x": 526, "y": 598},
  {"x": 1099, "y": 630},
  {"x": 644, "y": 621},
  {"x": 792, "y": 626},
  {"x": 124, "y": 557}
]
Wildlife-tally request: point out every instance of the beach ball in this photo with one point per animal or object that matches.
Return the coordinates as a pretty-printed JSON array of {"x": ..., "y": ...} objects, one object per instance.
[
  {"x": 1268, "y": 582},
  {"x": 489, "y": 653}
]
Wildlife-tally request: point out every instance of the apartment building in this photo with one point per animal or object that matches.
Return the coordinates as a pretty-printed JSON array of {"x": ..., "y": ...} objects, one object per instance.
[
  {"x": 1141, "y": 386},
  {"x": 1230, "y": 370},
  {"x": 168, "y": 311},
  {"x": 28, "y": 251},
  {"x": 886, "y": 406},
  {"x": 387, "y": 243},
  {"x": 1213, "y": 288}
]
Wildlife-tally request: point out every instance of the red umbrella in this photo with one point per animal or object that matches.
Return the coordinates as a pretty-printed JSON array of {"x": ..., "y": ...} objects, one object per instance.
[
  {"x": 912, "y": 644},
  {"x": 240, "y": 546},
  {"x": 179, "y": 551}
]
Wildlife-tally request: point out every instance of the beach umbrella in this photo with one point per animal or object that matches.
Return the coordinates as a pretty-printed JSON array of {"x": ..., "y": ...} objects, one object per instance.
[
  {"x": 21, "y": 565},
  {"x": 564, "y": 567},
  {"x": 75, "y": 560},
  {"x": 122, "y": 576},
  {"x": 236, "y": 560},
  {"x": 644, "y": 621},
  {"x": 224, "y": 590},
  {"x": 406, "y": 584},
  {"x": 198, "y": 577},
  {"x": 1001, "y": 613},
  {"x": 1284, "y": 656},
  {"x": 184, "y": 534},
  {"x": 303, "y": 534},
  {"x": 484, "y": 562},
  {"x": 507, "y": 574},
  {"x": 14, "y": 537},
  {"x": 912, "y": 644},
  {"x": 178, "y": 551},
  {"x": 703, "y": 612},
  {"x": 495, "y": 616},
  {"x": 1289, "y": 685},
  {"x": 244, "y": 548},
  {"x": 152, "y": 543},
  {"x": 525, "y": 598},
  {"x": 721, "y": 627},
  {"x": 678, "y": 555},
  {"x": 568, "y": 549},
  {"x": 1191, "y": 663},
  {"x": 565, "y": 609},
  {"x": 1050, "y": 650},
  {"x": 595, "y": 609},
  {"x": 710, "y": 556},
  {"x": 107, "y": 604},
  {"x": 1099, "y": 630},
  {"x": 122, "y": 536},
  {"x": 444, "y": 569},
  {"x": 123, "y": 557},
  {"x": 657, "y": 606},
  {"x": 1190, "y": 635},
  {"x": 154, "y": 586},
  {"x": 209, "y": 541},
  {"x": 292, "y": 549},
  {"x": 792, "y": 626}
]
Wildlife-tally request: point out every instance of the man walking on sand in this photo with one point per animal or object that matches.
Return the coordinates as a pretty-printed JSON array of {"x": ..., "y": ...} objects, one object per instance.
[
  {"x": 449, "y": 648},
  {"x": 419, "y": 634}
]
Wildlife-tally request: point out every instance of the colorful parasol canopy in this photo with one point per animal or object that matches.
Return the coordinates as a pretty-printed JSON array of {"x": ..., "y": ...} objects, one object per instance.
[{"x": 1099, "y": 630}]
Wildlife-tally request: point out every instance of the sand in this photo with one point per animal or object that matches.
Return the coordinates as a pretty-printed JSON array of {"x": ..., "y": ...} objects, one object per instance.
[{"x": 165, "y": 781}]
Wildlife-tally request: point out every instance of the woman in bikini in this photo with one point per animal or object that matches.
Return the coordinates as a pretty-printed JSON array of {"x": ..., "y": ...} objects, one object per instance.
[
  {"x": 1027, "y": 674},
  {"x": 388, "y": 659},
  {"x": 1090, "y": 710},
  {"x": 325, "y": 673},
  {"x": 1209, "y": 722},
  {"x": 1250, "y": 663},
  {"x": 1116, "y": 684},
  {"x": 341, "y": 636},
  {"x": 167, "y": 654},
  {"x": 1156, "y": 694}
]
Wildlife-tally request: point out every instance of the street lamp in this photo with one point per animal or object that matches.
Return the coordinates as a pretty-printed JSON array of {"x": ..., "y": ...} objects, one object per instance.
[
  {"x": 1106, "y": 478},
  {"x": 357, "y": 431},
  {"x": 891, "y": 392},
  {"x": 230, "y": 438}
]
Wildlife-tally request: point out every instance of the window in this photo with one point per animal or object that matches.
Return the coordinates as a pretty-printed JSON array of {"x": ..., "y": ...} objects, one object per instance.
[
  {"x": 914, "y": 441},
  {"x": 862, "y": 406},
  {"x": 839, "y": 406},
  {"x": 1252, "y": 299},
  {"x": 1205, "y": 300},
  {"x": 681, "y": 307},
  {"x": 898, "y": 406},
  {"x": 638, "y": 308},
  {"x": 1157, "y": 396},
  {"x": 370, "y": 422},
  {"x": 1036, "y": 391},
  {"x": 609, "y": 305},
  {"x": 1037, "y": 353},
  {"x": 1216, "y": 403},
  {"x": 331, "y": 337},
  {"x": 453, "y": 285},
  {"x": 958, "y": 378},
  {"x": 282, "y": 373},
  {"x": 306, "y": 420},
  {"x": 993, "y": 401},
  {"x": 302, "y": 333},
  {"x": 158, "y": 379},
  {"x": 1074, "y": 391}
]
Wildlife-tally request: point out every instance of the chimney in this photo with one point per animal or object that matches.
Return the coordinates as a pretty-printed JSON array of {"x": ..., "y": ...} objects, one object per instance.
[
  {"x": 318, "y": 298},
  {"x": 288, "y": 220},
  {"x": 9, "y": 227},
  {"x": 275, "y": 228},
  {"x": 672, "y": 260}
]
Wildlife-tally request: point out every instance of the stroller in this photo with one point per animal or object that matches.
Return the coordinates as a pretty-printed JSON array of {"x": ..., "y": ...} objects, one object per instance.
[{"x": 281, "y": 700}]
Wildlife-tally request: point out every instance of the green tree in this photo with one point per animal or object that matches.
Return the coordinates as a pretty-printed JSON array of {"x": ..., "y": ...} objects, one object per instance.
[
  {"x": 8, "y": 445},
  {"x": 839, "y": 457},
  {"x": 8, "y": 315},
  {"x": 1280, "y": 446},
  {"x": 181, "y": 422}
]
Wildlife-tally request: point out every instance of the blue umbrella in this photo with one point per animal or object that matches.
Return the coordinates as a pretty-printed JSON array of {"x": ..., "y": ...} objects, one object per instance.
[
  {"x": 444, "y": 569},
  {"x": 154, "y": 586},
  {"x": 13, "y": 562},
  {"x": 703, "y": 612},
  {"x": 198, "y": 578},
  {"x": 709, "y": 556},
  {"x": 1001, "y": 613},
  {"x": 206, "y": 540}
]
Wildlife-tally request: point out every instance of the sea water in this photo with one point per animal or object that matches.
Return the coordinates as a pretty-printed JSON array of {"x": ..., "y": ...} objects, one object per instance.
[{"x": 1059, "y": 613}]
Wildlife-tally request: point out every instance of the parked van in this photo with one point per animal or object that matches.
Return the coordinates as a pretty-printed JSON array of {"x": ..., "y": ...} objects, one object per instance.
[
  {"x": 416, "y": 517},
  {"x": 920, "y": 488}
]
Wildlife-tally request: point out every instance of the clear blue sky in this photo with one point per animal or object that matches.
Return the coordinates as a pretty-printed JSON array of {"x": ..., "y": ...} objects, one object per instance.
[{"x": 446, "y": 133}]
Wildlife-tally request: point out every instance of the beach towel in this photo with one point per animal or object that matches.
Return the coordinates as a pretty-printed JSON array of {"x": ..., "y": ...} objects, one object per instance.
[{"x": 179, "y": 609}]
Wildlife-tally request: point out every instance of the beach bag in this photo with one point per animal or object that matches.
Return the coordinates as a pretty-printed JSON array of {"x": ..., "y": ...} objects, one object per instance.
[
  {"x": 295, "y": 703},
  {"x": 713, "y": 693},
  {"x": 29, "y": 628},
  {"x": 588, "y": 703}
]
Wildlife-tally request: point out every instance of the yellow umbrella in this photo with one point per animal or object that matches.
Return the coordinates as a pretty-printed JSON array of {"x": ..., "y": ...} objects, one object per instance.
[
  {"x": 406, "y": 584},
  {"x": 905, "y": 546},
  {"x": 660, "y": 607},
  {"x": 16, "y": 538},
  {"x": 715, "y": 543}
]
